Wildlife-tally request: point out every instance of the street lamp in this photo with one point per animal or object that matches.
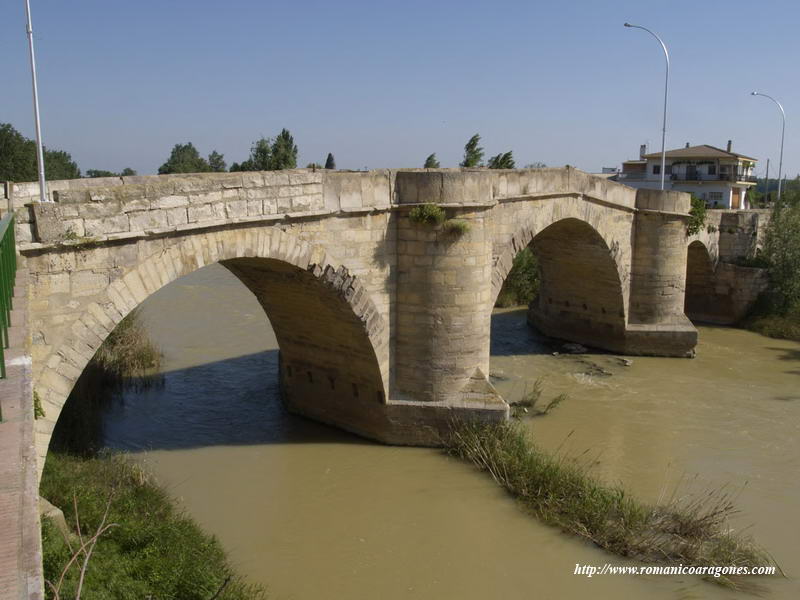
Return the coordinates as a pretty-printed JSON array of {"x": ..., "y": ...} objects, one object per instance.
[
  {"x": 39, "y": 151},
  {"x": 666, "y": 85},
  {"x": 783, "y": 130}
]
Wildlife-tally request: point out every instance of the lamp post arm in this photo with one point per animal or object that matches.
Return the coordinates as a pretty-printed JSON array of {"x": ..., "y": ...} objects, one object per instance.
[{"x": 666, "y": 88}]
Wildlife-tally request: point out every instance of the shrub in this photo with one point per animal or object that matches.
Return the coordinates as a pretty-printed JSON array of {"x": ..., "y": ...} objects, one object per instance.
[
  {"x": 427, "y": 214},
  {"x": 522, "y": 283}
]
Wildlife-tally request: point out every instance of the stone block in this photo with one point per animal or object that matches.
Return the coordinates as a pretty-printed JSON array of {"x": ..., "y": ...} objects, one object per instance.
[
  {"x": 146, "y": 220},
  {"x": 49, "y": 223}
]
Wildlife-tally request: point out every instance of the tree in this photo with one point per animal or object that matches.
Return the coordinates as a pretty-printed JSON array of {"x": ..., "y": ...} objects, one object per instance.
[
  {"x": 18, "y": 159},
  {"x": 431, "y": 162},
  {"x": 314, "y": 165},
  {"x": 502, "y": 161},
  {"x": 184, "y": 158},
  {"x": 260, "y": 157},
  {"x": 782, "y": 252},
  {"x": 128, "y": 172},
  {"x": 217, "y": 162},
  {"x": 473, "y": 153},
  {"x": 92, "y": 173},
  {"x": 284, "y": 152},
  {"x": 330, "y": 162},
  {"x": 536, "y": 165},
  {"x": 697, "y": 216}
]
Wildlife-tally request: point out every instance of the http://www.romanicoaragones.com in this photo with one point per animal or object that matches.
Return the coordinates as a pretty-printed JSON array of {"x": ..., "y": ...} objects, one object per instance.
[{"x": 680, "y": 569}]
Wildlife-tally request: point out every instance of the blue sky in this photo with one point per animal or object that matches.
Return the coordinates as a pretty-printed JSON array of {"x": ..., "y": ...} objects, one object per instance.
[{"x": 384, "y": 84}]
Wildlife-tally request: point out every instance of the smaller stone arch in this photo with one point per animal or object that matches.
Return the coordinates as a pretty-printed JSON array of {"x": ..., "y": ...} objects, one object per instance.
[
  {"x": 582, "y": 297},
  {"x": 701, "y": 303}
]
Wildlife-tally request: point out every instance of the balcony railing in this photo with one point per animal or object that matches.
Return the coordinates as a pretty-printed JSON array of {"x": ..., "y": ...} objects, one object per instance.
[{"x": 733, "y": 177}]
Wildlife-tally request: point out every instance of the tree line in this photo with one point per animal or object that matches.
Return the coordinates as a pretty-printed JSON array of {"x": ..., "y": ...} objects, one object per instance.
[{"x": 473, "y": 158}]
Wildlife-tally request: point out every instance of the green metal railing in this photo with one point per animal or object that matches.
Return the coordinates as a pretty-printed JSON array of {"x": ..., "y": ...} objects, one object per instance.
[{"x": 8, "y": 273}]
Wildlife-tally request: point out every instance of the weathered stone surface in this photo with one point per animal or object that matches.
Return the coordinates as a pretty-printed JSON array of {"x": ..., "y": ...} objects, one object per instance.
[{"x": 383, "y": 323}]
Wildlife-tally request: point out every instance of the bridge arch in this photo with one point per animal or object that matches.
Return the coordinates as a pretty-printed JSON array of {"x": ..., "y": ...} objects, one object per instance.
[
  {"x": 699, "y": 297},
  {"x": 333, "y": 339},
  {"x": 581, "y": 296}
]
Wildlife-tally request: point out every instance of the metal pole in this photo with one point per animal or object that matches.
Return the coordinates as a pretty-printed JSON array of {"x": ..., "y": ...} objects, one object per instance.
[
  {"x": 783, "y": 131},
  {"x": 767, "y": 186},
  {"x": 666, "y": 87},
  {"x": 39, "y": 150}
]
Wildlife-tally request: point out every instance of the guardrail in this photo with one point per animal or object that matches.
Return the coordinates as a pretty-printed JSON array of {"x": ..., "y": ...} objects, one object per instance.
[{"x": 8, "y": 273}]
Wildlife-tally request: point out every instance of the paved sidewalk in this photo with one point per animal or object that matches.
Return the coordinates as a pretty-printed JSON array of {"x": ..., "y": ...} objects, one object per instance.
[{"x": 20, "y": 542}]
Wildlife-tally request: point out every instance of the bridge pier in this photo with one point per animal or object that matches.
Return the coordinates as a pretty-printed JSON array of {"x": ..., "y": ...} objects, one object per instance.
[
  {"x": 444, "y": 296},
  {"x": 657, "y": 324}
]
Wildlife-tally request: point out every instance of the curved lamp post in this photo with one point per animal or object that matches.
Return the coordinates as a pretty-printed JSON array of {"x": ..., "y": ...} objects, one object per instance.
[
  {"x": 783, "y": 131},
  {"x": 666, "y": 86}
]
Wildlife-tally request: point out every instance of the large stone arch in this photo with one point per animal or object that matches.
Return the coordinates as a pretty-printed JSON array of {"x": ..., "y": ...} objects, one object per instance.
[
  {"x": 700, "y": 303},
  {"x": 582, "y": 297},
  {"x": 304, "y": 275}
]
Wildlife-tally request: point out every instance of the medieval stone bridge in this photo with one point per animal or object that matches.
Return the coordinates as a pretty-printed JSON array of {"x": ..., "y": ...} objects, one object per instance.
[{"x": 383, "y": 323}]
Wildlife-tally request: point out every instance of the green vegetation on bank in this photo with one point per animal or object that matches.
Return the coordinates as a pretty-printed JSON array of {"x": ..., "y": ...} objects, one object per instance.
[
  {"x": 777, "y": 313},
  {"x": 560, "y": 492},
  {"x": 522, "y": 283},
  {"x": 152, "y": 550},
  {"x": 126, "y": 357}
]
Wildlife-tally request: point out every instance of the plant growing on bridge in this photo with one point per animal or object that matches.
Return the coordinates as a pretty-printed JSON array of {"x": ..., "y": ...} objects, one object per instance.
[
  {"x": 456, "y": 226},
  {"x": 473, "y": 153},
  {"x": 427, "y": 214},
  {"x": 697, "y": 216}
]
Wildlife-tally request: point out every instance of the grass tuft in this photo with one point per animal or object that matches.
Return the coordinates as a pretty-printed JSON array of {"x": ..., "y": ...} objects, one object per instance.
[
  {"x": 427, "y": 214},
  {"x": 456, "y": 226},
  {"x": 562, "y": 493}
]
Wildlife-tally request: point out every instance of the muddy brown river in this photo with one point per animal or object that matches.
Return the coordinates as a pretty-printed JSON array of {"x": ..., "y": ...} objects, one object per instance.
[{"x": 315, "y": 513}]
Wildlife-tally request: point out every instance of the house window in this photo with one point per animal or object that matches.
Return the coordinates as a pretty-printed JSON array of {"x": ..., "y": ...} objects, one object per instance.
[
  {"x": 712, "y": 169},
  {"x": 714, "y": 199},
  {"x": 656, "y": 169},
  {"x": 668, "y": 169}
]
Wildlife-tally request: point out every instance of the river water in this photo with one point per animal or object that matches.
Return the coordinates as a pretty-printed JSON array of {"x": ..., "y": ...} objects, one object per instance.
[{"x": 312, "y": 512}]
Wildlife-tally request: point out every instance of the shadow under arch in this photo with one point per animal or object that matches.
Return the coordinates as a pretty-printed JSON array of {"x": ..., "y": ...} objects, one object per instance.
[
  {"x": 700, "y": 302},
  {"x": 580, "y": 295},
  {"x": 333, "y": 340}
]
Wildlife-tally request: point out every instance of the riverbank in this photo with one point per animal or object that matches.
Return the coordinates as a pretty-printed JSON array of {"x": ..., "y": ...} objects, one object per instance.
[
  {"x": 562, "y": 493},
  {"x": 775, "y": 325},
  {"x": 152, "y": 548}
]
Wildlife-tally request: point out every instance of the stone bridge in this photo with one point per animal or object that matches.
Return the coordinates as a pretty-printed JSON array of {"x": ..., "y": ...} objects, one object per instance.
[{"x": 383, "y": 322}]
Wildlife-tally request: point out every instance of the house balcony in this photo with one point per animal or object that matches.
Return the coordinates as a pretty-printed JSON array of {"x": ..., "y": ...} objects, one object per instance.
[{"x": 700, "y": 178}]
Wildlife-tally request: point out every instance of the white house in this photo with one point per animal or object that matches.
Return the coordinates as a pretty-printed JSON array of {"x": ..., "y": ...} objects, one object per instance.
[{"x": 720, "y": 177}]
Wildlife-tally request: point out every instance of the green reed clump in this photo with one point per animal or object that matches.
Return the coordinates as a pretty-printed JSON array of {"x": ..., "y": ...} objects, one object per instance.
[
  {"x": 561, "y": 492},
  {"x": 128, "y": 351},
  {"x": 127, "y": 358},
  {"x": 153, "y": 550}
]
